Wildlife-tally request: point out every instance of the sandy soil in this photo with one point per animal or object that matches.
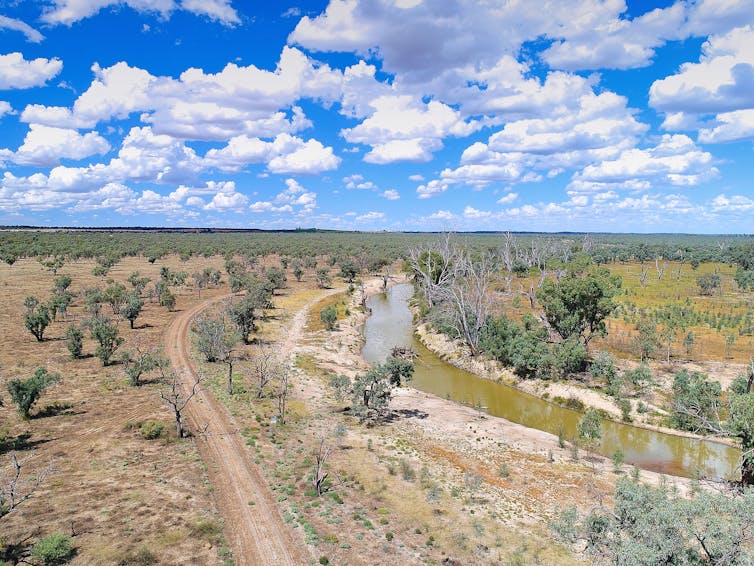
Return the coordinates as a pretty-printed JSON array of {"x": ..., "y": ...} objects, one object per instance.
[
  {"x": 123, "y": 497},
  {"x": 457, "y": 354},
  {"x": 257, "y": 534}
]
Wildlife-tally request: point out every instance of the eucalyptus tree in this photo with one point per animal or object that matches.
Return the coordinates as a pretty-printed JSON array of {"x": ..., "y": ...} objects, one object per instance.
[{"x": 37, "y": 317}]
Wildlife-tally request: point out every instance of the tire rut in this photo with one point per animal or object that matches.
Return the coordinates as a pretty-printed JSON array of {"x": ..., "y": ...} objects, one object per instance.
[{"x": 257, "y": 533}]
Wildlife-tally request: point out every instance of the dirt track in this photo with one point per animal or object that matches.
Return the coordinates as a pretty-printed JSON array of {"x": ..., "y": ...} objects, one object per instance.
[{"x": 257, "y": 534}]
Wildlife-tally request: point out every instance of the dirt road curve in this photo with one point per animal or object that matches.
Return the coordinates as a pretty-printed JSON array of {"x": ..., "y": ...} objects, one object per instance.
[{"x": 257, "y": 534}]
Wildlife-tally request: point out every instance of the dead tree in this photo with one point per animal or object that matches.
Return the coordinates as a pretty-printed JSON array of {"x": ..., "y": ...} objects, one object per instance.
[
  {"x": 282, "y": 394},
  {"x": 386, "y": 277},
  {"x": 643, "y": 277},
  {"x": 265, "y": 368},
  {"x": 177, "y": 398},
  {"x": 681, "y": 260},
  {"x": 14, "y": 490},
  {"x": 467, "y": 296},
  {"x": 660, "y": 270},
  {"x": 434, "y": 266},
  {"x": 403, "y": 352},
  {"x": 229, "y": 357},
  {"x": 509, "y": 252},
  {"x": 531, "y": 294},
  {"x": 319, "y": 475},
  {"x": 587, "y": 244},
  {"x": 363, "y": 297}
]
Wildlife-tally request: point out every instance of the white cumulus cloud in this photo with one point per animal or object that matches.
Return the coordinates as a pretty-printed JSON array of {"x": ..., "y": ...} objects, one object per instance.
[
  {"x": 46, "y": 146},
  {"x": 17, "y": 72},
  {"x": 722, "y": 80},
  {"x": 68, "y": 12}
]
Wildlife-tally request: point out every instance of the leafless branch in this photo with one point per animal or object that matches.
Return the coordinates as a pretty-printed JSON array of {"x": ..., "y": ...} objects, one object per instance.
[{"x": 16, "y": 490}]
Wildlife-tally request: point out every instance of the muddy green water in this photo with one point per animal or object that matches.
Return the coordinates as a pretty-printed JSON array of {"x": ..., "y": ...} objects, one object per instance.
[{"x": 390, "y": 324}]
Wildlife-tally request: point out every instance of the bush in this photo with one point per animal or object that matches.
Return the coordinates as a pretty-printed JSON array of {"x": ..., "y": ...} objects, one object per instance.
[
  {"x": 639, "y": 376},
  {"x": 151, "y": 430},
  {"x": 695, "y": 398},
  {"x": 26, "y": 392},
  {"x": 105, "y": 332},
  {"x": 496, "y": 336},
  {"x": 323, "y": 277},
  {"x": 329, "y": 317},
  {"x": 708, "y": 283},
  {"x": 603, "y": 367},
  {"x": 570, "y": 357},
  {"x": 625, "y": 410},
  {"x": 74, "y": 340},
  {"x": 167, "y": 299},
  {"x": 744, "y": 279},
  {"x": 570, "y": 403},
  {"x": 37, "y": 317},
  {"x": 407, "y": 471},
  {"x": 54, "y": 549},
  {"x": 441, "y": 321},
  {"x": 208, "y": 530}
]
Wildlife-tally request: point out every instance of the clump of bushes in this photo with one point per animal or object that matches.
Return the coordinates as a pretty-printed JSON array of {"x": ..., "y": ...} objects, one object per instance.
[
  {"x": 151, "y": 429},
  {"x": 52, "y": 550},
  {"x": 525, "y": 348}
]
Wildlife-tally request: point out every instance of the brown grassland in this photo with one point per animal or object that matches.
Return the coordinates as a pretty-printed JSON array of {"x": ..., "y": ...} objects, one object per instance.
[
  {"x": 435, "y": 483},
  {"x": 128, "y": 500}
]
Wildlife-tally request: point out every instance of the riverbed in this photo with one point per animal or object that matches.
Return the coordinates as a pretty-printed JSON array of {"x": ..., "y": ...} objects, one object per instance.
[{"x": 391, "y": 324}]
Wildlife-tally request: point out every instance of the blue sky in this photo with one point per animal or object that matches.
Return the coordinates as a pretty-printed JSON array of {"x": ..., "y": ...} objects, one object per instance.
[{"x": 580, "y": 115}]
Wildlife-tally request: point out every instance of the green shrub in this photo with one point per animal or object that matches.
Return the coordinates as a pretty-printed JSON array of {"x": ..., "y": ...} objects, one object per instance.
[
  {"x": 151, "y": 430},
  {"x": 639, "y": 376},
  {"x": 26, "y": 392},
  {"x": 54, "y": 549},
  {"x": 208, "y": 530},
  {"x": 570, "y": 357},
  {"x": 618, "y": 459},
  {"x": 74, "y": 340},
  {"x": 329, "y": 317},
  {"x": 625, "y": 410}
]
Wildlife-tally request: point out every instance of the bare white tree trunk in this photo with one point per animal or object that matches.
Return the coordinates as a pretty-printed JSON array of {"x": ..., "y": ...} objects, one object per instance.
[
  {"x": 265, "y": 367},
  {"x": 509, "y": 251},
  {"x": 434, "y": 266},
  {"x": 177, "y": 399},
  {"x": 468, "y": 298}
]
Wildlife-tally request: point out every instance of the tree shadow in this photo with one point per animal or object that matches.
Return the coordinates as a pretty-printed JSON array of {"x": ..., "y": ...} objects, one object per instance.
[
  {"x": 16, "y": 552},
  {"x": 19, "y": 443},
  {"x": 148, "y": 381},
  {"x": 396, "y": 414},
  {"x": 55, "y": 409}
]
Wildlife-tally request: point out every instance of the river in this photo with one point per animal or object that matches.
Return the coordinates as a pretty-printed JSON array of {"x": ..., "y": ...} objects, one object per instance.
[{"x": 391, "y": 324}]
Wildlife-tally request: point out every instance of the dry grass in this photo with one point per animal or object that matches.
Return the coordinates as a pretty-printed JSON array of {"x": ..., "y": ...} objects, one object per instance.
[
  {"x": 120, "y": 494},
  {"x": 340, "y": 301},
  {"x": 376, "y": 515},
  {"x": 710, "y": 343}
]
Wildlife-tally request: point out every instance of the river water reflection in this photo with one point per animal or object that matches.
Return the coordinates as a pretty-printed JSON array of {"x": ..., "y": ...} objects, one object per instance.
[{"x": 390, "y": 324}]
